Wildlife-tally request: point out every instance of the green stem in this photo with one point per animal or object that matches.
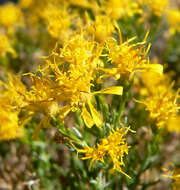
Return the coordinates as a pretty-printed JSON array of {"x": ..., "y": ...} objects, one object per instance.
[{"x": 123, "y": 100}]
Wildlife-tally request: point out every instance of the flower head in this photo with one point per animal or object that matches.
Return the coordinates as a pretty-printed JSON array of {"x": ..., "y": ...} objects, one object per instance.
[
  {"x": 9, "y": 122},
  {"x": 74, "y": 69},
  {"x": 10, "y": 106},
  {"x": 114, "y": 146},
  {"x": 127, "y": 59},
  {"x": 101, "y": 28},
  {"x": 10, "y": 16},
  {"x": 173, "y": 18},
  {"x": 158, "y": 6},
  {"x": 117, "y": 9},
  {"x": 26, "y": 3},
  {"x": 58, "y": 20},
  {"x": 161, "y": 100}
]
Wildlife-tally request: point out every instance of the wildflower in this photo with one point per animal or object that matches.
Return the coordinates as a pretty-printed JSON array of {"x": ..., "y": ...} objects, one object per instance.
[
  {"x": 128, "y": 59},
  {"x": 37, "y": 101},
  {"x": 81, "y": 52},
  {"x": 5, "y": 46},
  {"x": 158, "y": 7},
  {"x": 74, "y": 88},
  {"x": 10, "y": 16},
  {"x": 173, "y": 18},
  {"x": 10, "y": 104},
  {"x": 40, "y": 99},
  {"x": 117, "y": 9},
  {"x": 26, "y": 3},
  {"x": 58, "y": 20},
  {"x": 101, "y": 28},
  {"x": 161, "y": 100},
  {"x": 173, "y": 123},
  {"x": 9, "y": 127},
  {"x": 74, "y": 69},
  {"x": 12, "y": 90},
  {"x": 114, "y": 146},
  {"x": 159, "y": 79},
  {"x": 162, "y": 106}
]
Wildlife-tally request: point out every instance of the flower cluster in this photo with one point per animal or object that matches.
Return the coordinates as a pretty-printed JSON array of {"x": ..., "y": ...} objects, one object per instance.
[
  {"x": 128, "y": 59},
  {"x": 10, "y": 17},
  {"x": 84, "y": 59},
  {"x": 114, "y": 146},
  {"x": 158, "y": 7},
  {"x": 173, "y": 17},
  {"x": 62, "y": 17},
  {"x": 161, "y": 100},
  {"x": 10, "y": 106}
]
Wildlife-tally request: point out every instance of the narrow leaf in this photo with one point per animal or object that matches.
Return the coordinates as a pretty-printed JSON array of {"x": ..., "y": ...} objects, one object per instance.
[
  {"x": 96, "y": 116},
  {"x": 87, "y": 117},
  {"x": 118, "y": 90}
]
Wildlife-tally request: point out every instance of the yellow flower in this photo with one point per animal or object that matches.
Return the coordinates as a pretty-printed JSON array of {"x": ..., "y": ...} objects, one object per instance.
[
  {"x": 173, "y": 123},
  {"x": 161, "y": 100},
  {"x": 79, "y": 51},
  {"x": 10, "y": 107},
  {"x": 158, "y": 6},
  {"x": 114, "y": 146},
  {"x": 9, "y": 127},
  {"x": 101, "y": 28},
  {"x": 162, "y": 106},
  {"x": 5, "y": 46},
  {"x": 40, "y": 100},
  {"x": 158, "y": 78},
  {"x": 74, "y": 89},
  {"x": 127, "y": 59},
  {"x": 13, "y": 91},
  {"x": 117, "y": 9},
  {"x": 10, "y": 16},
  {"x": 26, "y": 3},
  {"x": 58, "y": 20},
  {"x": 173, "y": 18},
  {"x": 74, "y": 69}
]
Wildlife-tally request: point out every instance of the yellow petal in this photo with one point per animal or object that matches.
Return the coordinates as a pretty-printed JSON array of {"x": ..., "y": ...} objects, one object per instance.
[
  {"x": 63, "y": 112},
  {"x": 155, "y": 68},
  {"x": 13, "y": 52},
  {"x": 125, "y": 174},
  {"x": 118, "y": 90},
  {"x": 96, "y": 116},
  {"x": 111, "y": 71},
  {"x": 87, "y": 117}
]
